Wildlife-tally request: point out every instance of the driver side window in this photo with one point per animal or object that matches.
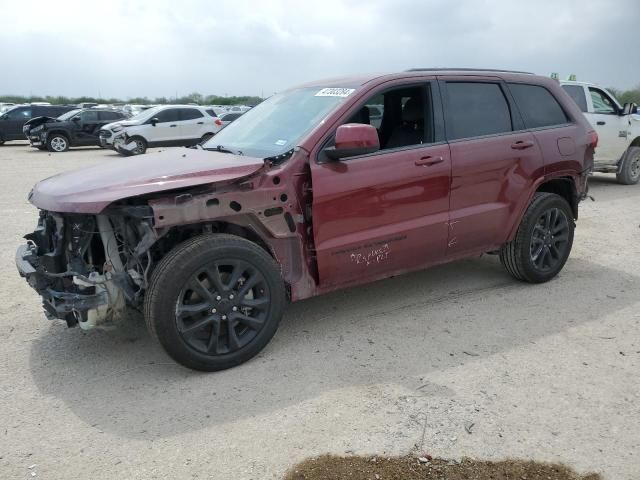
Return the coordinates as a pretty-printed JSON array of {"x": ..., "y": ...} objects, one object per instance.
[
  {"x": 601, "y": 102},
  {"x": 169, "y": 115},
  {"x": 402, "y": 116}
]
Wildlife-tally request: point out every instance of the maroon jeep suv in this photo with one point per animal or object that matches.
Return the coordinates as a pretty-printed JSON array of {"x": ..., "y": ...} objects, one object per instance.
[{"x": 324, "y": 186}]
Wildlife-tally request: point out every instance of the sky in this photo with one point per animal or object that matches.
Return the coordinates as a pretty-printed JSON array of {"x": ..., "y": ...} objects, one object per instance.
[{"x": 129, "y": 48}]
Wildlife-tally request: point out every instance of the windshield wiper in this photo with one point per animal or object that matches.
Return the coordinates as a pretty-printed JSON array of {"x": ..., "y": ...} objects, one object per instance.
[{"x": 222, "y": 149}]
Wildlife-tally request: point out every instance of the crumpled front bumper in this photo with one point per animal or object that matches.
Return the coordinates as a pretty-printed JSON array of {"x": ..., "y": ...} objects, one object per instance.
[{"x": 65, "y": 305}]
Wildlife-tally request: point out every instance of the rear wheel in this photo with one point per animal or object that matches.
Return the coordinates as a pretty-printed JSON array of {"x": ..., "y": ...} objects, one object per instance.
[
  {"x": 1, "y": 140},
  {"x": 630, "y": 171},
  {"x": 215, "y": 301},
  {"x": 57, "y": 143},
  {"x": 543, "y": 241}
]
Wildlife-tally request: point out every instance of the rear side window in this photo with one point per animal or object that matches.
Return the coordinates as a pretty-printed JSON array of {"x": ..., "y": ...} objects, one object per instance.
[
  {"x": 168, "y": 115},
  {"x": 538, "y": 106},
  {"x": 577, "y": 93},
  {"x": 476, "y": 109},
  {"x": 190, "y": 114}
]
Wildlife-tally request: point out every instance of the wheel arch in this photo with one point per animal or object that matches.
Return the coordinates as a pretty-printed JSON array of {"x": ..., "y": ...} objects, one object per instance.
[
  {"x": 286, "y": 251},
  {"x": 564, "y": 187},
  {"x": 635, "y": 142},
  {"x": 58, "y": 131}
]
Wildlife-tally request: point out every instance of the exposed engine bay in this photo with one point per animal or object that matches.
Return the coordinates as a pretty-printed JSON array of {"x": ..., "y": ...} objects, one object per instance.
[{"x": 89, "y": 268}]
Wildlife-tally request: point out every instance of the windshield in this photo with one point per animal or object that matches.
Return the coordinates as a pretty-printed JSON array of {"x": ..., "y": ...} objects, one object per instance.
[
  {"x": 276, "y": 125},
  {"x": 68, "y": 115},
  {"x": 143, "y": 115}
]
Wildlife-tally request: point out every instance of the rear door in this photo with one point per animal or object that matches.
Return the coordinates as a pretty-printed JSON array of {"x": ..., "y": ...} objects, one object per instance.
[
  {"x": 386, "y": 212},
  {"x": 493, "y": 161},
  {"x": 604, "y": 115},
  {"x": 192, "y": 125}
]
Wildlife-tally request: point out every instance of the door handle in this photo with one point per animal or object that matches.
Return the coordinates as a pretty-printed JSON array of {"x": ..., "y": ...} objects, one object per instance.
[
  {"x": 200, "y": 123},
  {"x": 521, "y": 145},
  {"x": 173, "y": 125},
  {"x": 601, "y": 122},
  {"x": 428, "y": 161}
]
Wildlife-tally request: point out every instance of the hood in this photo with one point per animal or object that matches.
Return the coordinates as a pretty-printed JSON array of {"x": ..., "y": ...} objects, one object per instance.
[
  {"x": 92, "y": 189},
  {"x": 124, "y": 123},
  {"x": 34, "y": 122}
]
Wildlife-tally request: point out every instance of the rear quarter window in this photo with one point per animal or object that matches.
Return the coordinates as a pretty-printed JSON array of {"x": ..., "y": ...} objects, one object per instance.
[
  {"x": 211, "y": 112},
  {"x": 539, "y": 108},
  {"x": 476, "y": 109}
]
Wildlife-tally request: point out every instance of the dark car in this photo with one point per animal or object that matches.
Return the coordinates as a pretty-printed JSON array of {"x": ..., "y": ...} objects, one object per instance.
[
  {"x": 302, "y": 195},
  {"x": 77, "y": 128},
  {"x": 12, "y": 121}
]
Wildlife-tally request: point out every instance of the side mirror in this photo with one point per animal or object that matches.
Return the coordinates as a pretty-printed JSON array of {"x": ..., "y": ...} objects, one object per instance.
[
  {"x": 629, "y": 108},
  {"x": 354, "y": 139},
  {"x": 154, "y": 121}
]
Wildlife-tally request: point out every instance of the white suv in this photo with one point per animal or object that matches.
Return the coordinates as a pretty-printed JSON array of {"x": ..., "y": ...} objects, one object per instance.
[
  {"x": 162, "y": 126},
  {"x": 618, "y": 130}
]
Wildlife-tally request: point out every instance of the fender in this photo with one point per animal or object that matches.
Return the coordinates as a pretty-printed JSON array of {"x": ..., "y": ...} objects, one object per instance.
[{"x": 568, "y": 176}]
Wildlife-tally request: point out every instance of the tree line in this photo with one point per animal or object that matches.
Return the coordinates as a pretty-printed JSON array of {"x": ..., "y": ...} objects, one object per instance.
[
  {"x": 627, "y": 96},
  {"x": 192, "y": 98}
]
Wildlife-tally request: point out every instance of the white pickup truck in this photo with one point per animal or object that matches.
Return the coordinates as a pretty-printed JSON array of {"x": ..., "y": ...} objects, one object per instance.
[{"x": 618, "y": 130}]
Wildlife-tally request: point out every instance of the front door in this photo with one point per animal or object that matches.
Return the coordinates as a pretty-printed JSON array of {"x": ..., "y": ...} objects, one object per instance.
[
  {"x": 166, "y": 130},
  {"x": 384, "y": 213},
  {"x": 86, "y": 128},
  {"x": 609, "y": 124}
]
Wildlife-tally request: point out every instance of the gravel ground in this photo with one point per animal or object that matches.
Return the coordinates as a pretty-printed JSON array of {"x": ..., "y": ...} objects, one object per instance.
[{"x": 546, "y": 372}]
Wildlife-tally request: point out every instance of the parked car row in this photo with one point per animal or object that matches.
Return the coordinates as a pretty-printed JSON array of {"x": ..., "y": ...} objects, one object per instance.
[{"x": 58, "y": 127}]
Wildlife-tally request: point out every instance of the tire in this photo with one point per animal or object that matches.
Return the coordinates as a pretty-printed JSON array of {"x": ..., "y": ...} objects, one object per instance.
[
  {"x": 629, "y": 173},
  {"x": 57, "y": 143},
  {"x": 208, "y": 324},
  {"x": 543, "y": 241},
  {"x": 206, "y": 137},
  {"x": 1, "y": 140},
  {"x": 141, "y": 145}
]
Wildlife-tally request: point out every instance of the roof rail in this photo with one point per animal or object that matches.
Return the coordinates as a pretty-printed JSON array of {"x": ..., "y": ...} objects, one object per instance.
[{"x": 466, "y": 70}]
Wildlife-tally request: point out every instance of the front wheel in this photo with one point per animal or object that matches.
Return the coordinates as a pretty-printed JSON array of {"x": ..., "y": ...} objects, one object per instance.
[
  {"x": 57, "y": 143},
  {"x": 215, "y": 301},
  {"x": 543, "y": 241},
  {"x": 629, "y": 173},
  {"x": 140, "y": 145}
]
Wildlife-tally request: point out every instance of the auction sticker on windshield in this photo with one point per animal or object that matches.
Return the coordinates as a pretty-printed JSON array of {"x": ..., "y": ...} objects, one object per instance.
[{"x": 335, "y": 92}]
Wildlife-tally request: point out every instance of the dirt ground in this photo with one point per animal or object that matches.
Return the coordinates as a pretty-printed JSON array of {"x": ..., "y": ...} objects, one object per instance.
[
  {"x": 457, "y": 361},
  {"x": 329, "y": 467}
]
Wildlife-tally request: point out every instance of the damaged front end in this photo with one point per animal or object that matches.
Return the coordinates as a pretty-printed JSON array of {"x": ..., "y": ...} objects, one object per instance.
[{"x": 89, "y": 268}]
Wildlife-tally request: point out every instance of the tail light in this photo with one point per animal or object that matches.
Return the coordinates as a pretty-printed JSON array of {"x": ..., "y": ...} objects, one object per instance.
[
  {"x": 219, "y": 123},
  {"x": 593, "y": 139}
]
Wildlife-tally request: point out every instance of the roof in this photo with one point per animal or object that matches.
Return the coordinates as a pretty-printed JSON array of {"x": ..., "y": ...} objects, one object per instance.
[{"x": 360, "y": 80}]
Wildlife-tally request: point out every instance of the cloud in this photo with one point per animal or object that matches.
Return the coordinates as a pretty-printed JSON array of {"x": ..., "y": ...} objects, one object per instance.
[{"x": 157, "y": 48}]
